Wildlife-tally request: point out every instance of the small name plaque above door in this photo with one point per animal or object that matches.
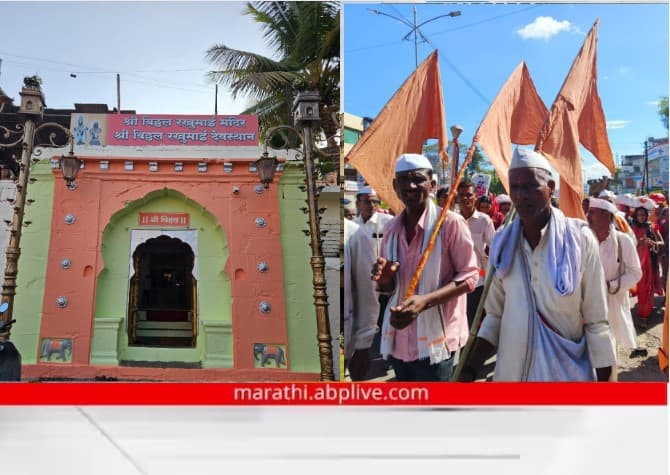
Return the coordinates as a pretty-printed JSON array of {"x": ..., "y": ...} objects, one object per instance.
[{"x": 177, "y": 220}]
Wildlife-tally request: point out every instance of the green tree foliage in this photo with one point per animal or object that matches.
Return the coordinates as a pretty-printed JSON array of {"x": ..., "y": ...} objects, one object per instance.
[
  {"x": 496, "y": 185},
  {"x": 306, "y": 40},
  {"x": 663, "y": 110},
  {"x": 480, "y": 164},
  {"x": 476, "y": 164}
]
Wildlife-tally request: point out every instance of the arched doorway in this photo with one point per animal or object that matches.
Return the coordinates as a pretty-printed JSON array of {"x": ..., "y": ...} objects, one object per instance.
[{"x": 162, "y": 303}]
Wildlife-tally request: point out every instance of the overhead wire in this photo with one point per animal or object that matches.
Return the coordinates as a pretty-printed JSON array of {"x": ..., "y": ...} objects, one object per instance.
[
  {"x": 443, "y": 58},
  {"x": 94, "y": 70},
  {"x": 88, "y": 70},
  {"x": 141, "y": 80},
  {"x": 486, "y": 20},
  {"x": 467, "y": 82},
  {"x": 469, "y": 25}
]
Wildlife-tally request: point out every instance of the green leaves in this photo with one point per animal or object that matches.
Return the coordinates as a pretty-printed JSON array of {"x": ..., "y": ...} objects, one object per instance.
[
  {"x": 306, "y": 38},
  {"x": 663, "y": 110}
]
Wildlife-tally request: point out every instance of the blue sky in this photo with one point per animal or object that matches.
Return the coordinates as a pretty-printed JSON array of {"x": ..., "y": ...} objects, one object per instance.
[
  {"x": 480, "y": 49},
  {"x": 158, "y": 48}
]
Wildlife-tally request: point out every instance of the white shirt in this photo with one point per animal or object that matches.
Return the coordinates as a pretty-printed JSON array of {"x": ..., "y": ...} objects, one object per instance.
[
  {"x": 618, "y": 304},
  {"x": 482, "y": 231},
  {"x": 506, "y": 322},
  {"x": 361, "y": 305},
  {"x": 374, "y": 227}
]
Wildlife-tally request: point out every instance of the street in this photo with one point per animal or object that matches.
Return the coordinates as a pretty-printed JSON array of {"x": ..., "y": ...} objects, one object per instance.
[{"x": 638, "y": 368}]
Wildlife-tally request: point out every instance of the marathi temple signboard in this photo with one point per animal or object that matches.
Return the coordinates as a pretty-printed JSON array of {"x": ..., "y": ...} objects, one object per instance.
[{"x": 159, "y": 129}]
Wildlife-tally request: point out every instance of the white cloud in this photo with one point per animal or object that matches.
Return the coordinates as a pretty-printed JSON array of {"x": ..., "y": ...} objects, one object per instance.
[
  {"x": 544, "y": 27},
  {"x": 617, "y": 124},
  {"x": 653, "y": 103},
  {"x": 595, "y": 171},
  {"x": 623, "y": 70}
]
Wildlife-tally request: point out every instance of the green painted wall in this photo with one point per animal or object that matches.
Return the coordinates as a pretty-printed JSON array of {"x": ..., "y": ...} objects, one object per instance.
[
  {"x": 214, "y": 294},
  {"x": 300, "y": 314},
  {"x": 33, "y": 262}
]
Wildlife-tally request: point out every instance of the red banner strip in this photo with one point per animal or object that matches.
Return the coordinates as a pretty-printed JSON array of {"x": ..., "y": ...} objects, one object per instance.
[{"x": 334, "y": 394}]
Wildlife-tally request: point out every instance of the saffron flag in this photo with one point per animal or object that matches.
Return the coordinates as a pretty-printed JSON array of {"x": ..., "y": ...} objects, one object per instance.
[
  {"x": 414, "y": 114},
  {"x": 516, "y": 115},
  {"x": 576, "y": 116}
]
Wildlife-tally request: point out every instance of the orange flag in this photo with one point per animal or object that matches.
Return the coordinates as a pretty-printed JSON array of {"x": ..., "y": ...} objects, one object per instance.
[
  {"x": 516, "y": 115},
  {"x": 414, "y": 114},
  {"x": 576, "y": 117}
]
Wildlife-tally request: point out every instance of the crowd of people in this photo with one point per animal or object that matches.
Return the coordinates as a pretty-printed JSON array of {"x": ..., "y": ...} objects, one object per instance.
[{"x": 558, "y": 304}]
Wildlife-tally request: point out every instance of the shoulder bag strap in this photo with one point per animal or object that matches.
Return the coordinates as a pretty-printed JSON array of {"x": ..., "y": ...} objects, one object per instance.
[{"x": 617, "y": 240}]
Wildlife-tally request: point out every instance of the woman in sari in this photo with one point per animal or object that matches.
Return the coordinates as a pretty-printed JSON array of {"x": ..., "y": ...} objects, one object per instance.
[
  {"x": 488, "y": 206},
  {"x": 661, "y": 228},
  {"x": 648, "y": 243}
]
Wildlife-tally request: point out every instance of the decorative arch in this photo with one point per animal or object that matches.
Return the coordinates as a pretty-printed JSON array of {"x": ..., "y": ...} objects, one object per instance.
[
  {"x": 138, "y": 204},
  {"x": 122, "y": 236}
]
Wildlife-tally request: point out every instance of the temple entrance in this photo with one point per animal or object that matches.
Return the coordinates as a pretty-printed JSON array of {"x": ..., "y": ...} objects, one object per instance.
[{"x": 162, "y": 295}]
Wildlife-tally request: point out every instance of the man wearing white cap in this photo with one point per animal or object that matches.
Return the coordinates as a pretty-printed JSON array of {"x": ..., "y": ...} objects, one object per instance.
[
  {"x": 421, "y": 334},
  {"x": 373, "y": 223},
  {"x": 620, "y": 218},
  {"x": 349, "y": 209},
  {"x": 360, "y": 300},
  {"x": 504, "y": 203},
  {"x": 626, "y": 204},
  {"x": 621, "y": 264},
  {"x": 546, "y": 311},
  {"x": 369, "y": 218},
  {"x": 481, "y": 230}
]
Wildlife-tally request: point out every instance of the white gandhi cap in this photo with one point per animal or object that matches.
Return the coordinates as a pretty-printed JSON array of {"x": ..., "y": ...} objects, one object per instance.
[
  {"x": 526, "y": 158},
  {"x": 607, "y": 195},
  {"x": 503, "y": 198},
  {"x": 625, "y": 200},
  {"x": 602, "y": 204},
  {"x": 411, "y": 161}
]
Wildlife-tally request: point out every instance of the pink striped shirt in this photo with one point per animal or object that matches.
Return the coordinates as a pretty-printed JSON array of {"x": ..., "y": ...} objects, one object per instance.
[{"x": 459, "y": 263}]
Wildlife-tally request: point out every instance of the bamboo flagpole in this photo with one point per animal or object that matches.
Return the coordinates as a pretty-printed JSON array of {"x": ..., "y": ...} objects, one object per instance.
[
  {"x": 438, "y": 225},
  {"x": 463, "y": 357}
]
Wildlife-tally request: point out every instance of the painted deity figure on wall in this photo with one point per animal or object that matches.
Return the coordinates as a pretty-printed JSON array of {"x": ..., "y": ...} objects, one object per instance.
[
  {"x": 80, "y": 131},
  {"x": 95, "y": 134}
]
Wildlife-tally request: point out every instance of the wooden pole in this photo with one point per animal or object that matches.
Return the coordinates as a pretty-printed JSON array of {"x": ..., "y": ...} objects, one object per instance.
[{"x": 463, "y": 357}]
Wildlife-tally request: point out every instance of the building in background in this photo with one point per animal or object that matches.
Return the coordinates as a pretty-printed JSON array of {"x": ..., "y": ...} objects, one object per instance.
[
  {"x": 634, "y": 168},
  {"x": 632, "y": 172},
  {"x": 354, "y": 127},
  {"x": 657, "y": 156}
]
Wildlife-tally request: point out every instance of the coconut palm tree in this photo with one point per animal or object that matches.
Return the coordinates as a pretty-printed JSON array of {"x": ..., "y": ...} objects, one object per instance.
[{"x": 306, "y": 40}]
